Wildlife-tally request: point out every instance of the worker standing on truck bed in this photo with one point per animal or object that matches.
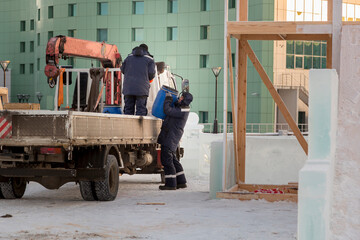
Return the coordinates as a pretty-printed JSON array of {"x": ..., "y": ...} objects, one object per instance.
[
  {"x": 171, "y": 132},
  {"x": 139, "y": 70}
]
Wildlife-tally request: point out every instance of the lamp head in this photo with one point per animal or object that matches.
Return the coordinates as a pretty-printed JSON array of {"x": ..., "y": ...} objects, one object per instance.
[{"x": 216, "y": 71}]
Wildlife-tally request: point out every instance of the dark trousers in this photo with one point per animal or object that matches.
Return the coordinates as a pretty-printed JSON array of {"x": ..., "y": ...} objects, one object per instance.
[
  {"x": 139, "y": 101},
  {"x": 174, "y": 172}
]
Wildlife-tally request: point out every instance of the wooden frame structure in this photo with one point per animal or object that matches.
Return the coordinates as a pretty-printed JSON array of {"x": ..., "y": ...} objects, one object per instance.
[{"x": 243, "y": 31}]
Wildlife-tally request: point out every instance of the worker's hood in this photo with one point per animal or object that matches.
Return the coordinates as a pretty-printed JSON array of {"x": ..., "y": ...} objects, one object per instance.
[
  {"x": 187, "y": 99},
  {"x": 138, "y": 51}
]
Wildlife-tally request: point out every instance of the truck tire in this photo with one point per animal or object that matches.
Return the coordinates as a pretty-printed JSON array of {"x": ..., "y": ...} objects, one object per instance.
[
  {"x": 13, "y": 188},
  {"x": 107, "y": 189},
  {"x": 87, "y": 190}
]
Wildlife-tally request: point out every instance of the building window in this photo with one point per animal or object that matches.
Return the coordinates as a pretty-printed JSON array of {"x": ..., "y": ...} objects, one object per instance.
[
  {"x": 31, "y": 68},
  {"x": 205, "y": 5},
  {"x": 22, "y": 68},
  {"x": 72, "y": 10},
  {"x": 172, "y": 33},
  {"x": 137, "y": 34},
  {"x": 204, "y": 32},
  {"x": 50, "y": 34},
  {"x": 22, "y": 46},
  {"x": 38, "y": 14},
  {"x": 51, "y": 12},
  {"x": 102, "y": 8},
  {"x": 305, "y": 54},
  {"x": 138, "y": 7},
  {"x": 31, "y": 46},
  {"x": 38, "y": 39},
  {"x": 38, "y": 64},
  {"x": 172, "y": 6},
  {"x": 204, "y": 61},
  {"x": 232, "y": 4},
  {"x": 102, "y": 35},
  {"x": 233, "y": 59},
  {"x": 229, "y": 117},
  {"x": 32, "y": 24},
  {"x": 72, "y": 32},
  {"x": 203, "y": 117},
  {"x": 22, "y": 26}
]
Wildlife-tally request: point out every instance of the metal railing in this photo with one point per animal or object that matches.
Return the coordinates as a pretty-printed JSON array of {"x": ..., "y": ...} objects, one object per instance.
[{"x": 255, "y": 127}]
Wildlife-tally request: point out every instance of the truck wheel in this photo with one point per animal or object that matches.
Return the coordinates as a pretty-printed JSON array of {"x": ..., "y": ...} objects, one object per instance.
[
  {"x": 107, "y": 189},
  {"x": 87, "y": 190},
  {"x": 13, "y": 188}
]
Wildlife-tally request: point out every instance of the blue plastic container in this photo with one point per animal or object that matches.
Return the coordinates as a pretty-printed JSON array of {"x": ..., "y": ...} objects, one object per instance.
[
  {"x": 158, "y": 107},
  {"x": 112, "y": 109}
]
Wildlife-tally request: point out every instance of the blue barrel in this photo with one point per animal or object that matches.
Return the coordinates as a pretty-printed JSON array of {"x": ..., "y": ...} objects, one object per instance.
[
  {"x": 158, "y": 107},
  {"x": 112, "y": 109}
]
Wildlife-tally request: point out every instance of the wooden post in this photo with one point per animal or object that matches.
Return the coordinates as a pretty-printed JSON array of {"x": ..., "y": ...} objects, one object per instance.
[
  {"x": 230, "y": 63},
  {"x": 242, "y": 95},
  {"x": 265, "y": 78}
]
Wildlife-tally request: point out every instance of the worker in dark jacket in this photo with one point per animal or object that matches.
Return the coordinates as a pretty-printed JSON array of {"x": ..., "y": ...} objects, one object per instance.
[
  {"x": 171, "y": 132},
  {"x": 139, "y": 70}
]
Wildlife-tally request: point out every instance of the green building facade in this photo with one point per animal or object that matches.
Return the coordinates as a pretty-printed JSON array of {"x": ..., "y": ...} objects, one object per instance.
[{"x": 186, "y": 34}]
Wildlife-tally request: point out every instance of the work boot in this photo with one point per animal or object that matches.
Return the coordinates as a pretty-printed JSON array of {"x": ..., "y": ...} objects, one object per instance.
[
  {"x": 181, "y": 185},
  {"x": 163, "y": 187}
]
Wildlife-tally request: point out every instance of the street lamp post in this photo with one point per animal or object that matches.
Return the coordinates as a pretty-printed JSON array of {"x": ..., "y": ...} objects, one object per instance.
[
  {"x": 216, "y": 71},
  {"x": 4, "y": 66}
]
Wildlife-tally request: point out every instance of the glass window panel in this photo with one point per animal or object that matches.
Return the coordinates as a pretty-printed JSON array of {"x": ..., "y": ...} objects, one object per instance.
[
  {"x": 50, "y": 34},
  {"x": 324, "y": 11},
  {"x": 233, "y": 59},
  {"x": 137, "y": 34},
  {"x": 299, "y": 62},
  {"x": 22, "y": 68},
  {"x": 290, "y": 5},
  {"x": 31, "y": 46},
  {"x": 172, "y": 6},
  {"x": 22, "y": 26},
  {"x": 203, "y": 117},
  {"x": 32, "y": 24},
  {"x": 102, "y": 8},
  {"x": 308, "y": 48},
  {"x": 72, "y": 10},
  {"x": 344, "y": 8},
  {"x": 290, "y": 16},
  {"x": 357, "y": 12},
  {"x": 307, "y": 62},
  {"x": 72, "y": 32},
  {"x": 38, "y": 39},
  {"x": 31, "y": 68},
  {"x": 204, "y": 32},
  {"x": 38, "y": 64},
  {"x": 51, "y": 12},
  {"x": 299, "y": 47},
  {"x": 316, "y": 62},
  {"x": 290, "y": 47},
  {"x": 204, "y": 59},
  {"x": 232, "y": 4},
  {"x": 22, "y": 46},
  {"x": 172, "y": 33},
  {"x": 317, "y": 10},
  {"x": 323, "y": 49},
  {"x": 308, "y": 10},
  {"x": 138, "y": 7},
  {"x": 290, "y": 61},
  {"x": 38, "y": 14},
  {"x": 350, "y": 11},
  {"x": 102, "y": 35},
  {"x": 205, "y": 5},
  {"x": 316, "y": 49},
  {"x": 323, "y": 62}
]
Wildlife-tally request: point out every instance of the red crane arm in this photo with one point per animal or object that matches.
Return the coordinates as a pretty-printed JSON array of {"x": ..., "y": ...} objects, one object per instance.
[{"x": 64, "y": 47}]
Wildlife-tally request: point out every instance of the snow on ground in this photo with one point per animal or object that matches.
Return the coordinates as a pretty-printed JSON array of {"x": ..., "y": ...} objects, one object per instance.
[{"x": 187, "y": 214}]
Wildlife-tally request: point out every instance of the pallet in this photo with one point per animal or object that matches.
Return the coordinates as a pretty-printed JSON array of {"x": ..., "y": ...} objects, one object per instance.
[
  {"x": 247, "y": 192},
  {"x": 22, "y": 106}
]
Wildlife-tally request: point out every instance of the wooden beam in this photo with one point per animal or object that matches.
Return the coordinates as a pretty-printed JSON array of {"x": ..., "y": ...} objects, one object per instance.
[
  {"x": 265, "y": 78},
  {"x": 278, "y": 37},
  {"x": 253, "y": 27},
  {"x": 256, "y": 196},
  {"x": 329, "y": 53},
  {"x": 243, "y": 11},
  {"x": 241, "y": 110},
  {"x": 330, "y": 10},
  {"x": 232, "y": 104}
]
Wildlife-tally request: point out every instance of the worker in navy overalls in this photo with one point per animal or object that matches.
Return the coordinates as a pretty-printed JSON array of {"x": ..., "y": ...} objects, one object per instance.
[
  {"x": 171, "y": 132},
  {"x": 139, "y": 70}
]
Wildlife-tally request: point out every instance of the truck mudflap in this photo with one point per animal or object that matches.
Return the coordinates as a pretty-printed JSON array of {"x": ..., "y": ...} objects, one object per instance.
[{"x": 92, "y": 174}]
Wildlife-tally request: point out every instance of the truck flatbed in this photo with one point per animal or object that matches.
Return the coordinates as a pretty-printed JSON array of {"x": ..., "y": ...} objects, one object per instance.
[{"x": 71, "y": 128}]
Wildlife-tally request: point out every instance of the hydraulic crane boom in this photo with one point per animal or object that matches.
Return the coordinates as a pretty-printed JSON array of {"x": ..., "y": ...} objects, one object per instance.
[{"x": 64, "y": 47}]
